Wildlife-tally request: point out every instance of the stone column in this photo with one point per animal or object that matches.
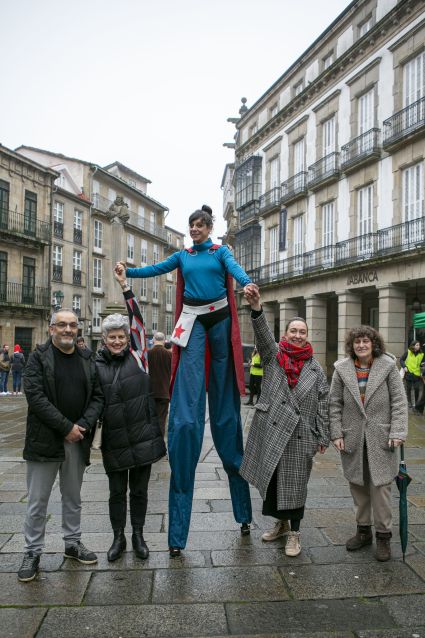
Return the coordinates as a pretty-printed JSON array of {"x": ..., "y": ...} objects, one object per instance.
[
  {"x": 392, "y": 318},
  {"x": 349, "y": 315},
  {"x": 316, "y": 315},
  {"x": 114, "y": 301},
  {"x": 287, "y": 310},
  {"x": 269, "y": 313}
]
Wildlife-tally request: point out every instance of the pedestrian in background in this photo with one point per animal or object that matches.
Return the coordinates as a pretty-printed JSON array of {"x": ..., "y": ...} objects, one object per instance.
[
  {"x": 159, "y": 359},
  {"x": 255, "y": 377},
  {"x": 290, "y": 425},
  {"x": 17, "y": 367},
  {"x": 368, "y": 414},
  {"x": 4, "y": 369},
  {"x": 64, "y": 402},
  {"x": 411, "y": 362},
  {"x": 82, "y": 344}
]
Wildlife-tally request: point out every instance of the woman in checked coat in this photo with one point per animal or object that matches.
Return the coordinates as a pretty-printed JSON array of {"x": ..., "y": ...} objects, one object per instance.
[{"x": 289, "y": 427}]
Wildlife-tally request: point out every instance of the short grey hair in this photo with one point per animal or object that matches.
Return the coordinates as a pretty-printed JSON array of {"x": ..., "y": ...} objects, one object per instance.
[
  {"x": 115, "y": 322},
  {"x": 159, "y": 336},
  {"x": 55, "y": 314}
]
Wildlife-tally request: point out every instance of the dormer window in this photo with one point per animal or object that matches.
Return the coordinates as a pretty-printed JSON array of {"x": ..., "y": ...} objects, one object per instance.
[{"x": 298, "y": 87}]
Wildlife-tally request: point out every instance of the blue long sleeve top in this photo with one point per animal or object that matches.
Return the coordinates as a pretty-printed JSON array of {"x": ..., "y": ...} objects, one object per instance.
[{"x": 204, "y": 271}]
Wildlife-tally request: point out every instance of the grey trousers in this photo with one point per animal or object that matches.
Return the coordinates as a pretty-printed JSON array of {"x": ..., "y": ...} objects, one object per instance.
[
  {"x": 368, "y": 498},
  {"x": 40, "y": 480}
]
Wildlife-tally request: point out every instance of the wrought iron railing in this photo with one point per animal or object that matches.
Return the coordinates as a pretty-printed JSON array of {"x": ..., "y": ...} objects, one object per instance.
[
  {"x": 58, "y": 229},
  {"x": 20, "y": 295},
  {"x": 76, "y": 277},
  {"x": 57, "y": 273},
  {"x": 103, "y": 204},
  {"x": 295, "y": 186},
  {"x": 23, "y": 225},
  {"x": 323, "y": 170},
  {"x": 393, "y": 240},
  {"x": 404, "y": 123},
  {"x": 270, "y": 199},
  {"x": 78, "y": 236},
  {"x": 250, "y": 212},
  {"x": 360, "y": 148}
]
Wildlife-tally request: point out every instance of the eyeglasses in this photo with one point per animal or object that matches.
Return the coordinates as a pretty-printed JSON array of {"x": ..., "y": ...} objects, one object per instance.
[{"x": 63, "y": 324}]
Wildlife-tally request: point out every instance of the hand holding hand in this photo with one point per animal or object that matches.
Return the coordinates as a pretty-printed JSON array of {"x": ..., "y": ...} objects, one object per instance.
[
  {"x": 252, "y": 295},
  {"x": 119, "y": 272},
  {"x": 76, "y": 434},
  {"x": 339, "y": 444}
]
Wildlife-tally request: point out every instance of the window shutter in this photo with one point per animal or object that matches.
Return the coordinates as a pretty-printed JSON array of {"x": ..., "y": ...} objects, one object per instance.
[{"x": 282, "y": 229}]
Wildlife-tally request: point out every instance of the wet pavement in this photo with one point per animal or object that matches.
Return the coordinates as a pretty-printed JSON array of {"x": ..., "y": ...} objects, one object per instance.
[{"x": 224, "y": 584}]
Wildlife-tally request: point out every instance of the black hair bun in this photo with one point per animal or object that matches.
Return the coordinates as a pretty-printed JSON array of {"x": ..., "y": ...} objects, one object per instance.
[{"x": 206, "y": 209}]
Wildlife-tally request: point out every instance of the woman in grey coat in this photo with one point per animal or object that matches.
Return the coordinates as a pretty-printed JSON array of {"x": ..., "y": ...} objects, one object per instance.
[
  {"x": 368, "y": 414},
  {"x": 289, "y": 426}
]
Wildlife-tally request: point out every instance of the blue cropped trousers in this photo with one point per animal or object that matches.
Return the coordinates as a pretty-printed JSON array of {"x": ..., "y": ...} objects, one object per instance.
[{"x": 187, "y": 421}]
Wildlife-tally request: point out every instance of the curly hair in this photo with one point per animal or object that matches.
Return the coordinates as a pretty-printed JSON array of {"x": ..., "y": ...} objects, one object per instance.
[{"x": 378, "y": 346}]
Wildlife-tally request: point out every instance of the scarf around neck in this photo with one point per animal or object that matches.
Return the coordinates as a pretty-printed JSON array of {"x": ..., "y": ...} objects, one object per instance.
[{"x": 292, "y": 358}]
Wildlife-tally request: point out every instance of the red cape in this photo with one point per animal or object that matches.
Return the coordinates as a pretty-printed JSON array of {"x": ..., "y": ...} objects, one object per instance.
[{"x": 235, "y": 336}]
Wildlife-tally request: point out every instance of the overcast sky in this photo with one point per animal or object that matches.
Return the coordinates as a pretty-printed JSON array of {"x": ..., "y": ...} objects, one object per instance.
[{"x": 149, "y": 83}]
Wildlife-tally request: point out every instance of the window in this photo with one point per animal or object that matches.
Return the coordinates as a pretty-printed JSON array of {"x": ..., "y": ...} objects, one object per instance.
[
  {"x": 328, "y": 139},
  {"x": 77, "y": 259},
  {"x": 141, "y": 216},
  {"x": 144, "y": 252},
  {"x": 274, "y": 172},
  {"x": 152, "y": 218},
  {"x": 169, "y": 325},
  {"x": 57, "y": 255},
  {"x": 76, "y": 304},
  {"x": 130, "y": 247},
  {"x": 155, "y": 289},
  {"x": 96, "y": 193},
  {"x": 413, "y": 192},
  {"x": 169, "y": 297},
  {"x": 154, "y": 319},
  {"x": 274, "y": 249},
  {"x": 414, "y": 80},
  {"x": 328, "y": 60},
  {"x": 155, "y": 253},
  {"x": 283, "y": 216},
  {"x": 30, "y": 213},
  {"x": 112, "y": 195},
  {"x": 97, "y": 274},
  {"x": 4, "y": 203},
  {"x": 132, "y": 182},
  {"x": 58, "y": 212},
  {"x": 28, "y": 280},
  {"x": 299, "y": 160},
  {"x": 298, "y": 235},
  {"x": 3, "y": 276},
  {"x": 364, "y": 215},
  {"x": 365, "y": 26},
  {"x": 327, "y": 230},
  {"x": 97, "y": 309},
  {"x": 144, "y": 289},
  {"x": 78, "y": 219},
  {"x": 274, "y": 110},
  {"x": 169, "y": 238},
  {"x": 298, "y": 87},
  {"x": 365, "y": 114},
  {"x": 253, "y": 129},
  {"x": 98, "y": 235}
]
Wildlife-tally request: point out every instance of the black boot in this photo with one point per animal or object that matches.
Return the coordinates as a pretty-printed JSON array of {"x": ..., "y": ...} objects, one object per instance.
[
  {"x": 383, "y": 546},
  {"x": 140, "y": 548},
  {"x": 118, "y": 545},
  {"x": 362, "y": 538}
]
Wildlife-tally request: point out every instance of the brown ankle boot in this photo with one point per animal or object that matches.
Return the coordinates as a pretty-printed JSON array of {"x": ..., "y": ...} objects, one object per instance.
[
  {"x": 362, "y": 538},
  {"x": 383, "y": 546}
]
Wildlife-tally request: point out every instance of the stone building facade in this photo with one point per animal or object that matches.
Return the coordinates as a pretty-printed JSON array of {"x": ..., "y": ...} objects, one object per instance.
[
  {"x": 25, "y": 241},
  {"x": 329, "y": 181}
]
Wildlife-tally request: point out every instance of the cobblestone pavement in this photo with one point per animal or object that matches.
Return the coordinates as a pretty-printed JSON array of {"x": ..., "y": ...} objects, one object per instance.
[{"x": 224, "y": 584}]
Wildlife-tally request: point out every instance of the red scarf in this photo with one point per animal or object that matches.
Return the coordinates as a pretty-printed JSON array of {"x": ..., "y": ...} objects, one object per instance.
[{"x": 291, "y": 358}]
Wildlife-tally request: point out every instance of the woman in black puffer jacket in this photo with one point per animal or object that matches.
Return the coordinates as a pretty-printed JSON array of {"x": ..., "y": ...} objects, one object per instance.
[{"x": 131, "y": 436}]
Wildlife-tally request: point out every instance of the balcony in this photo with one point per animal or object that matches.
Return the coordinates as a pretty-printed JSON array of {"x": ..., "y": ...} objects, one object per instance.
[
  {"x": 270, "y": 200},
  {"x": 319, "y": 259},
  {"x": 58, "y": 229},
  {"x": 323, "y": 172},
  {"x": 361, "y": 150},
  {"x": 103, "y": 204},
  {"x": 23, "y": 228},
  {"x": 249, "y": 213},
  {"x": 12, "y": 294},
  {"x": 404, "y": 125},
  {"x": 294, "y": 188},
  {"x": 78, "y": 236},
  {"x": 76, "y": 277},
  {"x": 356, "y": 249},
  {"x": 407, "y": 236},
  {"x": 57, "y": 273}
]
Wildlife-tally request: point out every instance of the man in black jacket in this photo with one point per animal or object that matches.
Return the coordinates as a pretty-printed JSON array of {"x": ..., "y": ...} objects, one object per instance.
[{"x": 64, "y": 402}]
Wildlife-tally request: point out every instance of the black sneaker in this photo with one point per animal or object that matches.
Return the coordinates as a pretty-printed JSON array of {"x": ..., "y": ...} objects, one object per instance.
[
  {"x": 29, "y": 568},
  {"x": 81, "y": 553}
]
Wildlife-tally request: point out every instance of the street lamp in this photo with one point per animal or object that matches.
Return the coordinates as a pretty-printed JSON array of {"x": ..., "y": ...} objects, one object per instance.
[{"x": 57, "y": 300}]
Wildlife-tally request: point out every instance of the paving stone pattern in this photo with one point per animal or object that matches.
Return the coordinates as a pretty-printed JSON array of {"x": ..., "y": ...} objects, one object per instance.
[{"x": 223, "y": 584}]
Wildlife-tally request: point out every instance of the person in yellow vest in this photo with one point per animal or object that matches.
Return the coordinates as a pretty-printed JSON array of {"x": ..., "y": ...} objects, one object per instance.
[
  {"x": 255, "y": 377},
  {"x": 411, "y": 362}
]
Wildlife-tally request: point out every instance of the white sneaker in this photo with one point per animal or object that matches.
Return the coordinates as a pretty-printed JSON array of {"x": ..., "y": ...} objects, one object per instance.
[
  {"x": 3, "y": 394},
  {"x": 293, "y": 545},
  {"x": 19, "y": 393},
  {"x": 281, "y": 528}
]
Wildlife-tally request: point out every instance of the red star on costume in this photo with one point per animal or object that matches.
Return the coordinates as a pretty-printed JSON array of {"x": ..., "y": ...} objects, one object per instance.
[
  {"x": 178, "y": 331},
  {"x": 211, "y": 308}
]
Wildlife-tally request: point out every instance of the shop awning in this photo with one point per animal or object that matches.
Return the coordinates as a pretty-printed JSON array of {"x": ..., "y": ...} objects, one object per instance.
[{"x": 419, "y": 320}]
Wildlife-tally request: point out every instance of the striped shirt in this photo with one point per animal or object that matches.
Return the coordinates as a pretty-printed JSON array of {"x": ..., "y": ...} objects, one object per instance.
[{"x": 362, "y": 374}]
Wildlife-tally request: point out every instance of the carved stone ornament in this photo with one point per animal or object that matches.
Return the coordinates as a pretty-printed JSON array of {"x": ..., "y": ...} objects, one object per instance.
[{"x": 119, "y": 209}]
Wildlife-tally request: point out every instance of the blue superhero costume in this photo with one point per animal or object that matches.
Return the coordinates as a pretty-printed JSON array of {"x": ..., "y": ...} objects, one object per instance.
[{"x": 204, "y": 268}]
